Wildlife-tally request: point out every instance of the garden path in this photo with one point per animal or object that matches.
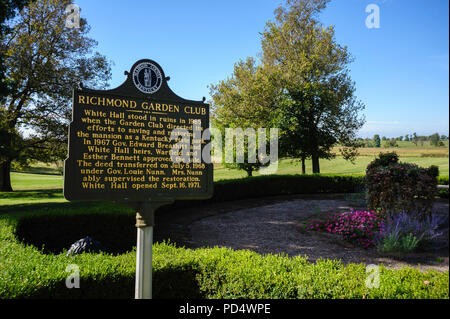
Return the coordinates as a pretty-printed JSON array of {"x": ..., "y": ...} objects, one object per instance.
[{"x": 276, "y": 228}]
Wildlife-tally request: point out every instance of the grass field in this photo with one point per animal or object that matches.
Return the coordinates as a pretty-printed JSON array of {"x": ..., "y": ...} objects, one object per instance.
[
  {"x": 403, "y": 151},
  {"x": 335, "y": 166},
  {"x": 41, "y": 176},
  {"x": 30, "y": 197},
  {"x": 420, "y": 145}
]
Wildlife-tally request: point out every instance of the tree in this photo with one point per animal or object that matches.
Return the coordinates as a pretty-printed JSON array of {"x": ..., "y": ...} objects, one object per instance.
[
  {"x": 318, "y": 108},
  {"x": 414, "y": 138},
  {"x": 245, "y": 100},
  {"x": 8, "y": 9},
  {"x": 377, "y": 140},
  {"x": 434, "y": 139},
  {"x": 45, "y": 60},
  {"x": 407, "y": 138},
  {"x": 391, "y": 143}
]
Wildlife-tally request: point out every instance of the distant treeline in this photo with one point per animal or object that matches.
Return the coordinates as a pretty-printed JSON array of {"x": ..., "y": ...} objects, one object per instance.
[{"x": 435, "y": 140}]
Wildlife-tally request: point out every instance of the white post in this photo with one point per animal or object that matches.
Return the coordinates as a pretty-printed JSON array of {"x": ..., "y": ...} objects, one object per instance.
[
  {"x": 145, "y": 218},
  {"x": 143, "y": 288}
]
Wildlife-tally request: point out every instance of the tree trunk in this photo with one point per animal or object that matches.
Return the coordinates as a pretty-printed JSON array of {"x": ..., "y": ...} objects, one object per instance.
[
  {"x": 303, "y": 165},
  {"x": 249, "y": 173},
  {"x": 315, "y": 164},
  {"x": 5, "y": 177}
]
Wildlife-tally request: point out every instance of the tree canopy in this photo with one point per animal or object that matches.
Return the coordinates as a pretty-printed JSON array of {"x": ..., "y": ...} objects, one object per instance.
[
  {"x": 8, "y": 9},
  {"x": 301, "y": 85},
  {"x": 44, "y": 60},
  {"x": 245, "y": 100}
]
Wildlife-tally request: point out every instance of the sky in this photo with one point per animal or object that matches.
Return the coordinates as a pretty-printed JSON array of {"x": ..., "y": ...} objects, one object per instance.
[{"x": 400, "y": 69}]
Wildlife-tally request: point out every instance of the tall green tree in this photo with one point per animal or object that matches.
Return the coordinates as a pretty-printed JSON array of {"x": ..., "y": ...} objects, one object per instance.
[
  {"x": 8, "y": 9},
  {"x": 435, "y": 139},
  {"x": 245, "y": 100},
  {"x": 319, "y": 109},
  {"x": 377, "y": 140},
  {"x": 44, "y": 60},
  {"x": 414, "y": 138}
]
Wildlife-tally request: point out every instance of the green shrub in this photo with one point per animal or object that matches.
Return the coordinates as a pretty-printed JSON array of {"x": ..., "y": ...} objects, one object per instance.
[
  {"x": 400, "y": 187},
  {"x": 443, "y": 193},
  {"x": 390, "y": 243},
  {"x": 442, "y": 180},
  {"x": 403, "y": 232},
  {"x": 26, "y": 272},
  {"x": 409, "y": 242},
  {"x": 383, "y": 160},
  {"x": 393, "y": 243}
]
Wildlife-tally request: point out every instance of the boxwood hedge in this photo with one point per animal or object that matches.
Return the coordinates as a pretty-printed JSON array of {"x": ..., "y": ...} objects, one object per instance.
[
  {"x": 28, "y": 272},
  {"x": 274, "y": 185}
]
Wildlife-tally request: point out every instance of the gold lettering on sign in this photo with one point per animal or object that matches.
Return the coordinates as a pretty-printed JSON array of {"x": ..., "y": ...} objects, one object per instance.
[{"x": 125, "y": 144}]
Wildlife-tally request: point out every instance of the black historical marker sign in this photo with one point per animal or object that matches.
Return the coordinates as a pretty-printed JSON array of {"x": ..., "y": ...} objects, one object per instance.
[{"x": 120, "y": 142}]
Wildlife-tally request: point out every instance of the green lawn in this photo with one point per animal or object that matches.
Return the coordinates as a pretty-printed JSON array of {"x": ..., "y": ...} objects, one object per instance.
[
  {"x": 336, "y": 166},
  {"x": 33, "y": 188},
  {"x": 27, "y": 181},
  {"x": 28, "y": 197},
  {"x": 410, "y": 144},
  {"x": 32, "y": 181}
]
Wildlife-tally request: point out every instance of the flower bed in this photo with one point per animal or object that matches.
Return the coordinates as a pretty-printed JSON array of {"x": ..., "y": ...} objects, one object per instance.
[{"x": 357, "y": 227}]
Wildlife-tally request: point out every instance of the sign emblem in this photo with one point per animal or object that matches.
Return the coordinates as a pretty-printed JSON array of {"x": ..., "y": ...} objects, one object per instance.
[{"x": 147, "y": 77}]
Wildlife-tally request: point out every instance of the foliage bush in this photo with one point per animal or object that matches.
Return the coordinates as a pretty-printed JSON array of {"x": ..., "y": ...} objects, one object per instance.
[
  {"x": 394, "y": 187},
  {"x": 403, "y": 232},
  {"x": 443, "y": 192},
  {"x": 206, "y": 273},
  {"x": 28, "y": 272},
  {"x": 443, "y": 180},
  {"x": 357, "y": 227}
]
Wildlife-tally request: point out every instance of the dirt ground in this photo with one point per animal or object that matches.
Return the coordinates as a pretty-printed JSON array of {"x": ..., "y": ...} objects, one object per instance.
[{"x": 273, "y": 225}]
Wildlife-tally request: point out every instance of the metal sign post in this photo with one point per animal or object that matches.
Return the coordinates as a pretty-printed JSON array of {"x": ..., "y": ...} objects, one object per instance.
[
  {"x": 143, "y": 288},
  {"x": 145, "y": 219},
  {"x": 120, "y": 143}
]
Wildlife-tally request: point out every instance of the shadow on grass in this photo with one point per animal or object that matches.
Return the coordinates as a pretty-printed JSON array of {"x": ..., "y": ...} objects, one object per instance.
[
  {"x": 168, "y": 283},
  {"x": 38, "y": 207},
  {"x": 55, "y": 233},
  {"x": 40, "y": 170},
  {"x": 40, "y": 193}
]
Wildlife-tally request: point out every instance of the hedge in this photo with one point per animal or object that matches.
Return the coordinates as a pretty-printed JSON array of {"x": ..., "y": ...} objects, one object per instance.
[
  {"x": 393, "y": 186},
  {"x": 274, "y": 185},
  {"x": 30, "y": 272},
  {"x": 27, "y": 272},
  {"x": 443, "y": 180}
]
